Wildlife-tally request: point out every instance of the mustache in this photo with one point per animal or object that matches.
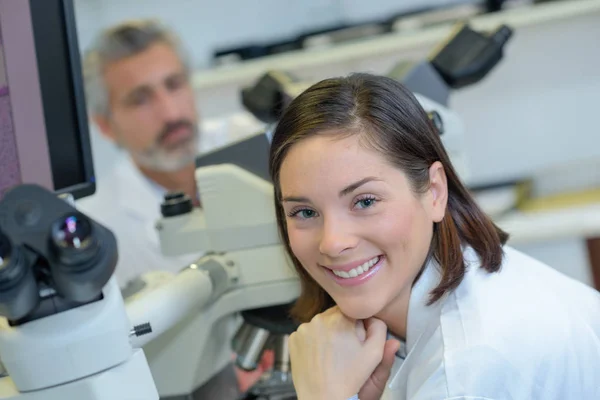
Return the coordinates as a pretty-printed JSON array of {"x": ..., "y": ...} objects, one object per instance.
[{"x": 172, "y": 126}]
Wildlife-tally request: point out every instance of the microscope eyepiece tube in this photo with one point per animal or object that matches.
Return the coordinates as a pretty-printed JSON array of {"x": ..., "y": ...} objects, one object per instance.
[
  {"x": 74, "y": 241},
  {"x": 83, "y": 257},
  {"x": 11, "y": 267},
  {"x": 18, "y": 288}
]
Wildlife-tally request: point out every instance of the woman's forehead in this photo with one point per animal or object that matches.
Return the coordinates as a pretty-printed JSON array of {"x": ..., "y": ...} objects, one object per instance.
[{"x": 326, "y": 163}]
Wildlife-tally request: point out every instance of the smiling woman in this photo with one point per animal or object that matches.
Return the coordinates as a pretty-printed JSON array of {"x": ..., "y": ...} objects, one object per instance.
[
  {"x": 370, "y": 133},
  {"x": 386, "y": 238}
]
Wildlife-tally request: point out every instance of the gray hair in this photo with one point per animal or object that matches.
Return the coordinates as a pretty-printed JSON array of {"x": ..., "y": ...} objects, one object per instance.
[{"x": 119, "y": 42}]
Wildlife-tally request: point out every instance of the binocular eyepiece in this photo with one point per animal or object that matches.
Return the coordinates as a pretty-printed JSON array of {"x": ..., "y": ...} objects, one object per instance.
[
  {"x": 73, "y": 241},
  {"x": 52, "y": 257}
]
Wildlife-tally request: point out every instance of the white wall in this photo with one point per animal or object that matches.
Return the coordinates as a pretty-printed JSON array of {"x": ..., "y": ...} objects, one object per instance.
[
  {"x": 206, "y": 25},
  {"x": 535, "y": 111}
]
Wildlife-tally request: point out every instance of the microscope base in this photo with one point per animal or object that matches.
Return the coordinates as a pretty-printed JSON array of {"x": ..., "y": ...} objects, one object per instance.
[{"x": 131, "y": 380}]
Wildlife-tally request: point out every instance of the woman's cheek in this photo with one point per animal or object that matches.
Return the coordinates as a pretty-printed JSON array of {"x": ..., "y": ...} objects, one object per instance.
[{"x": 298, "y": 244}]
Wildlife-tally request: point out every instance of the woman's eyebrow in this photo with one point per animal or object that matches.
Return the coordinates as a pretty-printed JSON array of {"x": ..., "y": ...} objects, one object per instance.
[
  {"x": 353, "y": 186},
  {"x": 344, "y": 192},
  {"x": 295, "y": 199}
]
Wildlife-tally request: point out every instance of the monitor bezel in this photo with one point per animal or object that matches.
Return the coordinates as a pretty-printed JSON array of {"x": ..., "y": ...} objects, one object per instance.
[{"x": 88, "y": 187}]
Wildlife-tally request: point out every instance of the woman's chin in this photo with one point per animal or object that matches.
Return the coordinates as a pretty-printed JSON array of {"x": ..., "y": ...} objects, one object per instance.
[{"x": 357, "y": 311}]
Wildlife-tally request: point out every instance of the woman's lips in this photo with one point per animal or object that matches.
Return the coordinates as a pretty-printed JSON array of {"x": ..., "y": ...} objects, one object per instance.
[{"x": 360, "y": 279}]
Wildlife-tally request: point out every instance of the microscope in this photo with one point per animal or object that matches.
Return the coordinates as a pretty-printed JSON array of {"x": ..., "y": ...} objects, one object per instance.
[
  {"x": 237, "y": 225},
  {"x": 65, "y": 333}
]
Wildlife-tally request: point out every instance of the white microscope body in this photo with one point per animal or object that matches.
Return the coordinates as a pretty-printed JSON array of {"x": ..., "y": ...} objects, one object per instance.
[
  {"x": 82, "y": 353},
  {"x": 237, "y": 228},
  {"x": 64, "y": 330},
  {"x": 90, "y": 352}
]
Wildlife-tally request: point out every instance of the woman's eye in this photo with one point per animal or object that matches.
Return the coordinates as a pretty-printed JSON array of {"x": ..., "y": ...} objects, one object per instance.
[
  {"x": 365, "y": 203},
  {"x": 307, "y": 213},
  {"x": 303, "y": 213}
]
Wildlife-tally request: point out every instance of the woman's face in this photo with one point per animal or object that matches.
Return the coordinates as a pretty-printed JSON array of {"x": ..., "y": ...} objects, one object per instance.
[{"x": 355, "y": 224}]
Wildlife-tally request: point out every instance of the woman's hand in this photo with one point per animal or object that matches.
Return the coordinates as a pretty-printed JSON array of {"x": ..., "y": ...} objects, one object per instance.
[
  {"x": 374, "y": 386},
  {"x": 334, "y": 356}
]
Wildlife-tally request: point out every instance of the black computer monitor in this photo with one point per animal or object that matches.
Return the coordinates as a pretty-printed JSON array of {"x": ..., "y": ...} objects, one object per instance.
[{"x": 44, "y": 136}]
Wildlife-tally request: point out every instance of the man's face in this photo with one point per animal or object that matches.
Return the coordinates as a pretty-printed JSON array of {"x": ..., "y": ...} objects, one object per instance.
[{"x": 152, "y": 109}]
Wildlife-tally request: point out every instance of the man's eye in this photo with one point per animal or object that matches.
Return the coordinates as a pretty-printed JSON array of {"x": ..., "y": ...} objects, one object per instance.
[
  {"x": 139, "y": 99},
  {"x": 176, "y": 82}
]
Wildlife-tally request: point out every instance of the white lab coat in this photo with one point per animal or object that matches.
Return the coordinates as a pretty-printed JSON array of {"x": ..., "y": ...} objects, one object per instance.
[
  {"x": 525, "y": 333},
  {"x": 128, "y": 203}
]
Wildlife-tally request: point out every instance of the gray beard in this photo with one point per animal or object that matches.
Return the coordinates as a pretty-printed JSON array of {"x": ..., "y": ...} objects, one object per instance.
[{"x": 158, "y": 158}]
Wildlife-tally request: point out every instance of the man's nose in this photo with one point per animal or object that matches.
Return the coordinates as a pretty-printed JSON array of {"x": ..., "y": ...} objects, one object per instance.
[
  {"x": 167, "y": 106},
  {"x": 336, "y": 237}
]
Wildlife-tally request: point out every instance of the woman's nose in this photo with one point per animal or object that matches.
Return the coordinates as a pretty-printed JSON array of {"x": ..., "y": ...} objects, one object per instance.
[{"x": 336, "y": 237}]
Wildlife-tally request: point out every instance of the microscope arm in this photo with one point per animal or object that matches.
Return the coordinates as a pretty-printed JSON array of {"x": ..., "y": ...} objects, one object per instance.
[{"x": 188, "y": 292}]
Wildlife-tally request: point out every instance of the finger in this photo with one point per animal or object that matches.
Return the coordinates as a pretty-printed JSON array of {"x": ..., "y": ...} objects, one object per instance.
[
  {"x": 376, "y": 337},
  {"x": 370, "y": 321},
  {"x": 361, "y": 332},
  {"x": 375, "y": 328},
  {"x": 382, "y": 372},
  {"x": 341, "y": 321},
  {"x": 375, "y": 386},
  {"x": 331, "y": 310},
  {"x": 389, "y": 354}
]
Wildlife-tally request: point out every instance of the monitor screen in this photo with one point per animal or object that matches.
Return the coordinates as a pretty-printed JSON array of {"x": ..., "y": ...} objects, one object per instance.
[{"x": 44, "y": 137}]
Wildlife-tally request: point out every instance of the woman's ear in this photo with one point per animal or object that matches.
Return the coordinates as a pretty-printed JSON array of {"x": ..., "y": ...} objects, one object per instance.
[{"x": 438, "y": 188}]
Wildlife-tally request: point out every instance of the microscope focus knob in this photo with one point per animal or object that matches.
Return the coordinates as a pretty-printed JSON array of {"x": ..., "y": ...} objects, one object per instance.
[{"x": 176, "y": 203}]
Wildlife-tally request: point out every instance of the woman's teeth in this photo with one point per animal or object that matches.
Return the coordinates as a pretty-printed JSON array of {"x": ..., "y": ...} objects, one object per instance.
[{"x": 361, "y": 269}]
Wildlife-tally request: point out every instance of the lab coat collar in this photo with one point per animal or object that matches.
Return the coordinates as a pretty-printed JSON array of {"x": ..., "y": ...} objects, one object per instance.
[
  {"x": 422, "y": 320},
  {"x": 419, "y": 313},
  {"x": 138, "y": 196}
]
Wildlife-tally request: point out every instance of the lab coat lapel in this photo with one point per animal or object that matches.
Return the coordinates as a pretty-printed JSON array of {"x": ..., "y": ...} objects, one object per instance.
[
  {"x": 136, "y": 194},
  {"x": 423, "y": 321}
]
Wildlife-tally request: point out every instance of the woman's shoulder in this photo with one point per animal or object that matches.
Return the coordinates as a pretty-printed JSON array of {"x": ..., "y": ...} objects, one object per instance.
[
  {"x": 526, "y": 316},
  {"x": 524, "y": 289},
  {"x": 521, "y": 275}
]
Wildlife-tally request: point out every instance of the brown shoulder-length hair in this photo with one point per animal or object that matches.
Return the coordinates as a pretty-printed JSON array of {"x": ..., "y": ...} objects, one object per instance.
[{"x": 389, "y": 119}]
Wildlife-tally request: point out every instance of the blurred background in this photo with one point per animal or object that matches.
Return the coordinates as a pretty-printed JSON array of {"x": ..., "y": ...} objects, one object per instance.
[{"x": 530, "y": 123}]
